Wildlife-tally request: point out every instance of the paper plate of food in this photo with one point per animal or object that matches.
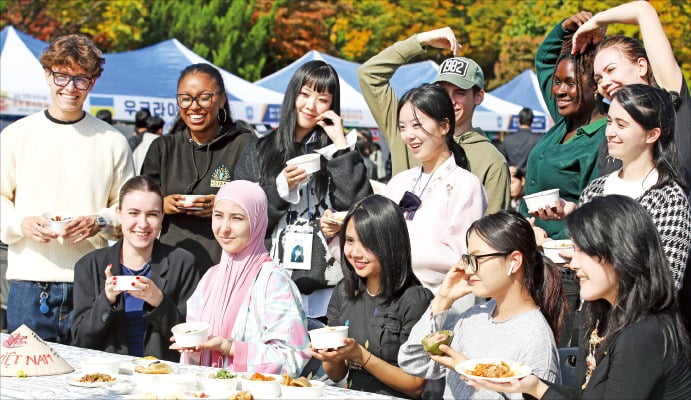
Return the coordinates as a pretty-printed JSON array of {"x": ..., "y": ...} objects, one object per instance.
[
  {"x": 91, "y": 380},
  {"x": 493, "y": 369}
]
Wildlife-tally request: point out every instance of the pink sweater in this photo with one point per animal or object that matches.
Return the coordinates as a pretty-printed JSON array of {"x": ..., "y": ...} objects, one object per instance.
[{"x": 452, "y": 200}]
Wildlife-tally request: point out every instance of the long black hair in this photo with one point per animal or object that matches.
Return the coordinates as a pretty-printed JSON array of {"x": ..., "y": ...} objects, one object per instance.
[
  {"x": 279, "y": 146},
  {"x": 432, "y": 100},
  {"x": 226, "y": 124},
  {"x": 652, "y": 108},
  {"x": 619, "y": 232},
  {"x": 508, "y": 231},
  {"x": 381, "y": 228}
]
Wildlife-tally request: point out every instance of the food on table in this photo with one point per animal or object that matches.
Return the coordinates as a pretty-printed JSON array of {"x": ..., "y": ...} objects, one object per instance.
[
  {"x": 259, "y": 377},
  {"x": 298, "y": 382},
  {"x": 491, "y": 370},
  {"x": 155, "y": 367},
  {"x": 56, "y": 218},
  {"x": 92, "y": 378},
  {"x": 201, "y": 395},
  {"x": 244, "y": 395},
  {"x": 149, "y": 358},
  {"x": 223, "y": 374},
  {"x": 21, "y": 374},
  {"x": 432, "y": 341}
]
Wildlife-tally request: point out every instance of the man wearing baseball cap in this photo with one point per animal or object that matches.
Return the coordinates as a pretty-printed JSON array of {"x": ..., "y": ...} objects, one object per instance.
[{"x": 463, "y": 80}]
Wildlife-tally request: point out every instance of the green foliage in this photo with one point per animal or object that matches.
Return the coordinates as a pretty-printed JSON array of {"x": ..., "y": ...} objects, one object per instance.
[{"x": 230, "y": 34}]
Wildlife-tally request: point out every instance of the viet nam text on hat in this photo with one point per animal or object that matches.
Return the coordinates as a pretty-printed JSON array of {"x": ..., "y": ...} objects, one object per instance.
[{"x": 462, "y": 72}]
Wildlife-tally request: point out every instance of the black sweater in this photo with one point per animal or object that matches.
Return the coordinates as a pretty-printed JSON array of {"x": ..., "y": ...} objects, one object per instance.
[{"x": 181, "y": 166}]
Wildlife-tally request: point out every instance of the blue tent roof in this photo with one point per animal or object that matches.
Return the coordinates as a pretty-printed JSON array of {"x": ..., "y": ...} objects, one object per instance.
[
  {"x": 523, "y": 90},
  {"x": 34, "y": 45}
]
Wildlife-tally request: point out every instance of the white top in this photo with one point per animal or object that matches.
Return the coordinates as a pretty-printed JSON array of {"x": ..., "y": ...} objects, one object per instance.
[
  {"x": 72, "y": 169},
  {"x": 634, "y": 189}
]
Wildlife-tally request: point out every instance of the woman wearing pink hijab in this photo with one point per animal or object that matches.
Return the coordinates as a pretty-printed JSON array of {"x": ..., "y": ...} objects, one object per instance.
[{"x": 252, "y": 306}]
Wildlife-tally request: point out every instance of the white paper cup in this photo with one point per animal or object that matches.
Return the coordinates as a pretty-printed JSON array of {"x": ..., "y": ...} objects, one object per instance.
[
  {"x": 55, "y": 225},
  {"x": 189, "y": 199},
  {"x": 544, "y": 199},
  {"x": 262, "y": 389},
  {"x": 311, "y": 163},
  {"x": 124, "y": 282},
  {"x": 190, "y": 334},
  {"x": 552, "y": 248},
  {"x": 330, "y": 337},
  {"x": 100, "y": 365}
]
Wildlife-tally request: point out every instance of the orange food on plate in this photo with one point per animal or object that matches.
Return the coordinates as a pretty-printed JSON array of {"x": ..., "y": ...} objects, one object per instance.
[
  {"x": 298, "y": 382},
  {"x": 259, "y": 377},
  {"x": 491, "y": 370},
  {"x": 92, "y": 378}
]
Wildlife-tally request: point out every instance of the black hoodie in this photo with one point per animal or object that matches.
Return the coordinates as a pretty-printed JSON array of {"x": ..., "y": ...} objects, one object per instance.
[{"x": 181, "y": 166}]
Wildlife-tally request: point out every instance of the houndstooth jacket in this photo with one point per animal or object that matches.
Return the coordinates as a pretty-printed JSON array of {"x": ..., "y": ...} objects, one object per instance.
[{"x": 669, "y": 208}]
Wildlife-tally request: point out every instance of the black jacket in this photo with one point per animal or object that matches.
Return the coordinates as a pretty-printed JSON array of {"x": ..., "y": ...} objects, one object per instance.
[
  {"x": 637, "y": 364},
  {"x": 181, "y": 166},
  {"x": 97, "y": 325}
]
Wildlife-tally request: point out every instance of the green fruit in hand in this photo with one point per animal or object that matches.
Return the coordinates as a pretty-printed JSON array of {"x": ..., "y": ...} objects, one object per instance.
[{"x": 432, "y": 341}]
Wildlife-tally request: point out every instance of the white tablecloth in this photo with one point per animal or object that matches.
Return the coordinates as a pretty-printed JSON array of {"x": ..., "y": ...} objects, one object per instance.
[{"x": 56, "y": 386}]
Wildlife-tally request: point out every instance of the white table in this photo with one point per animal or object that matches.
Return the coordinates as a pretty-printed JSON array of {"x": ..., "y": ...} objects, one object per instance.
[{"x": 56, "y": 386}]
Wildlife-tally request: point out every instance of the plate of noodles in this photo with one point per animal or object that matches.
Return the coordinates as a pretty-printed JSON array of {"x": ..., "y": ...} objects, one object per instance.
[{"x": 493, "y": 369}]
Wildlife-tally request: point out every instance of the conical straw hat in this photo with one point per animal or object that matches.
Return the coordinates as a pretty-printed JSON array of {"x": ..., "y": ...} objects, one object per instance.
[{"x": 23, "y": 353}]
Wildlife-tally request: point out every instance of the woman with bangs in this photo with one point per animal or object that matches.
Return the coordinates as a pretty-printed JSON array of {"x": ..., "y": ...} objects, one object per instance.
[
  {"x": 379, "y": 299},
  {"x": 309, "y": 123}
]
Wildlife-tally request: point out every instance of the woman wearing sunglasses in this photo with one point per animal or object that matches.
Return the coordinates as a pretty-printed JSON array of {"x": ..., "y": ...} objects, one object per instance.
[
  {"x": 520, "y": 322},
  {"x": 196, "y": 159}
]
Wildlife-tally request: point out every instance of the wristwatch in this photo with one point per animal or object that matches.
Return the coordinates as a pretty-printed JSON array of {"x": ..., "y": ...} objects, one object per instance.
[{"x": 102, "y": 222}]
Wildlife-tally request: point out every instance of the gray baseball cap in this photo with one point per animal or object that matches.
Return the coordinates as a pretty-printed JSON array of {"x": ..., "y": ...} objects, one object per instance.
[{"x": 462, "y": 72}]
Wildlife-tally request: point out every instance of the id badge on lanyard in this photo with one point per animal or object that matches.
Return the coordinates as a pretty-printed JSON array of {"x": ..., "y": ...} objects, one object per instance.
[{"x": 297, "y": 247}]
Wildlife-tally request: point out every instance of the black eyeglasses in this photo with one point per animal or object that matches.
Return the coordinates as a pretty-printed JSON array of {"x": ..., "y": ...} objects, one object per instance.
[
  {"x": 203, "y": 99},
  {"x": 471, "y": 259},
  {"x": 62, "y": 80}
]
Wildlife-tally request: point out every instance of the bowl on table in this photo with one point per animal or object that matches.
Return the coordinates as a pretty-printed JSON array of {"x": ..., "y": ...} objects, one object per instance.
[
  {"x": 329, "y": 337},
  {"x": 56, "y": 222},
  {"x": 100, "y": 365},
  {"x": 218, "y": 385},
  {"x": 190, "y": 334},
  {"x": 552, "y": 248},
  {"x": 311, "y": 163},
  {"x": 544, "y": 199},
  {"x": 301, "y": 388},
  {"x": 268, "y": 387}
]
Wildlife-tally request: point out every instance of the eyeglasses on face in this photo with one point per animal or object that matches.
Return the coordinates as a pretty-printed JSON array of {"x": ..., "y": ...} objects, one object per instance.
[
  {"x": 62, "y": 80},
  {"x": 203, "y": 99},
  {"x": 471, "y": 259}
]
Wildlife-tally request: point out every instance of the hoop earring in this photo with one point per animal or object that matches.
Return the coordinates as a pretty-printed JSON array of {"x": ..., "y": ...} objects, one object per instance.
[{"x": 223, "y": 120}]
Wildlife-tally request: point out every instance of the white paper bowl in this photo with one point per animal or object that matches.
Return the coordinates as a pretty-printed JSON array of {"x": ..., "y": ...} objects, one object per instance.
[
  {"x": 262, "y": 389},
  {"x": 295, "y": 392},
  {"x": 217, "y": 388},
  {"x": 100, "y": 365},
  {"x": 311, "y": 163},
  {"x": 329, "y": 337},
  {"x": 124, "y": 282},
  {"x": 177, "y": 382},
  {"x": 552, "y": 248},
  {"x": 547, "y": 198},
  {"x": 56, "y": 226},
  {"x": 190, "y": 334},
  {"x": 189, "y": 199}
]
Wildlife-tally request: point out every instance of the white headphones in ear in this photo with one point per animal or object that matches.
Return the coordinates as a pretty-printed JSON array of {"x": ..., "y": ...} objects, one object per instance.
[{"x": 513, "y": 264}]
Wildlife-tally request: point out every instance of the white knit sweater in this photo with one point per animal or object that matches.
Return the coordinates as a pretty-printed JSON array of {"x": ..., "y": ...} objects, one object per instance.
[{"x": 71, "y": 169}]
